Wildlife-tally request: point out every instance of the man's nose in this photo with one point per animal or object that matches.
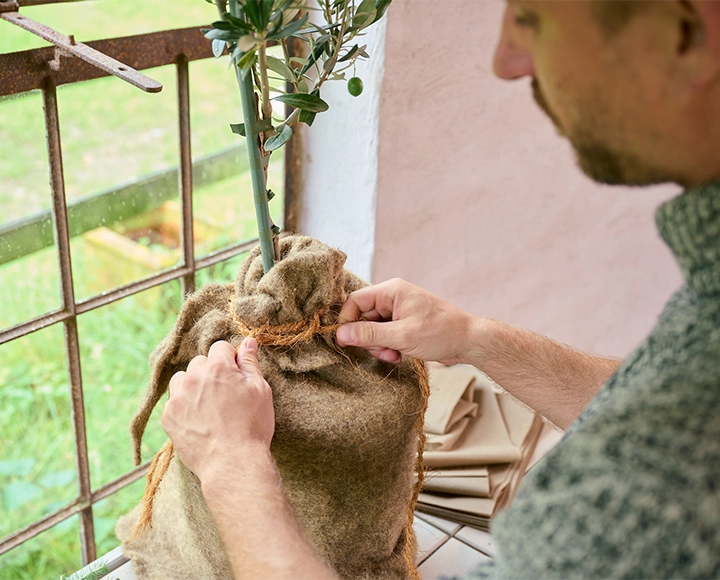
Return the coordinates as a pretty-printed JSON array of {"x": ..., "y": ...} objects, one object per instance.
[{"x": 512, "y": 60}]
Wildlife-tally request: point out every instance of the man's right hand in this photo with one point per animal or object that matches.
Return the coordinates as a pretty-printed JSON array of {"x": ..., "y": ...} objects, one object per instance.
[{"x": 397, "y": 317}]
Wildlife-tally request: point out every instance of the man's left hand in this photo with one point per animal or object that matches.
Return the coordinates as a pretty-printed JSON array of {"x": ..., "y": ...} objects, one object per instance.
[{"x": 220, "y": 408}]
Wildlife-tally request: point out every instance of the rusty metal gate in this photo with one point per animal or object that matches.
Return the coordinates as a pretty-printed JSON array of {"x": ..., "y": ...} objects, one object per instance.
[{"x": 45, "y": 69}]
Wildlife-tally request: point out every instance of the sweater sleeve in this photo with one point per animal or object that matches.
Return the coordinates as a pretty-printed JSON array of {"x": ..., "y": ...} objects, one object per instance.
[
  {"x": 484, "y": 571},
  {"x": 632, "y": 498}
]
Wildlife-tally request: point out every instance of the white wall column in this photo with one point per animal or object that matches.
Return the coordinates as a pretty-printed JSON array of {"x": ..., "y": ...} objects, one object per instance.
[{"x": 340, "y": 162}]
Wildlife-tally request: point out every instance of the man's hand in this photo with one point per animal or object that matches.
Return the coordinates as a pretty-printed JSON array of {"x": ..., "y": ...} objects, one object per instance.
[
  {"x": 219, "y": 408},
  {"x": 220, "y": 418},
  {"x": 554, "y": 379},
  {"x": 400, "y": 318}
]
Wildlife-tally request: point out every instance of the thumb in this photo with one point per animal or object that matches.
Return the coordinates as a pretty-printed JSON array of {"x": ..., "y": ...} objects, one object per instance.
[
  {"x": 247, "y": 358},
  {"x": 366, "y": 334}
]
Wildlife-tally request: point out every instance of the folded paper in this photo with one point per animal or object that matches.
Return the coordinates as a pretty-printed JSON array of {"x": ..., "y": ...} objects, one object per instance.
[
  {"x": 479, "y": 476},
  {"x": 451, "y": 397},
  {"x": 486, "y": 440}
]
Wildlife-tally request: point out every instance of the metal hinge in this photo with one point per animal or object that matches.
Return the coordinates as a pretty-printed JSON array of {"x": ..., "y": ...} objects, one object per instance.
[{"x": 66, "y": 46}]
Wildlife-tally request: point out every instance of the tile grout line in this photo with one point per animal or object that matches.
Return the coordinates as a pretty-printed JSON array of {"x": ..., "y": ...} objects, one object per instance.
[
  {"x": 473, "y": 546},
  {"x": 435, "y": 549},
  {"x": 454, "y": 535}
]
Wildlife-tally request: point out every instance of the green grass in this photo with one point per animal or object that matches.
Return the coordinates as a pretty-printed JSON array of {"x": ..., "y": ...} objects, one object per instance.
[
  {"x": 111, "y": 134},
  {"x": 37, "y": 466}
]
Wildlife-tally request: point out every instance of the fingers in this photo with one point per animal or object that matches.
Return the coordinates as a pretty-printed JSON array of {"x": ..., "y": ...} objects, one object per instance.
[
  {"x": 373, "y": 302},
  {"x": 175, "y": 381},
  {"x": 197, "y": 363},
  {"x": 386, "y": 354},
  {"x": 176, "y": 384},
  {"x": 221, "y": 350},
  {"x": 368, "y": 334},
  {"x": 350, "y": 311},
  {"x": 247, "y": 359},
  {"x": 350, "y": 335}
]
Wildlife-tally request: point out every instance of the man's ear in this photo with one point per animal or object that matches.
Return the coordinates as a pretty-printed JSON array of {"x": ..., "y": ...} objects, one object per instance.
[{"x": 698, "y": 40}]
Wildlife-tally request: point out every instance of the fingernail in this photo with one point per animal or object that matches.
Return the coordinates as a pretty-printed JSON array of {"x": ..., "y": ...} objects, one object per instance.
[
  {"x": 344, "y": 334},
  {"x": 250, "y": 344},
  {"x": 390, "y": 356}
]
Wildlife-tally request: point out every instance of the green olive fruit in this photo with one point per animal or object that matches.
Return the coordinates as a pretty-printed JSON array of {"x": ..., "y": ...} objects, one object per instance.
[{"x": 355, "y": 86}]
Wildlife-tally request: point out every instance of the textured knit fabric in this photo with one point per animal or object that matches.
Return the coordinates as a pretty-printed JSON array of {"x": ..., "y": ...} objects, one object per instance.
[{"x": 633, "y": 489}]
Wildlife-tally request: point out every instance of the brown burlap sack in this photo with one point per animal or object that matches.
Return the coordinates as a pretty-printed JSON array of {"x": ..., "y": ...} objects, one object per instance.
[{"x": 346, "y": 435}]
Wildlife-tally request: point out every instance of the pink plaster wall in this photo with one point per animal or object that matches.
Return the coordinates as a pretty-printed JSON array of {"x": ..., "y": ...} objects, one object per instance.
[{"x": 480, "y": 201}]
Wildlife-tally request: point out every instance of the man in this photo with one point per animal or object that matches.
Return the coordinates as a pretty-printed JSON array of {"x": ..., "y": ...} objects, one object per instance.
[{"x": 633, "y": 490}]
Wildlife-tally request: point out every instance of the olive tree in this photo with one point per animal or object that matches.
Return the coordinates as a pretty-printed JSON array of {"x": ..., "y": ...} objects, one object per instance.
[{"x": 331, "y": 33}]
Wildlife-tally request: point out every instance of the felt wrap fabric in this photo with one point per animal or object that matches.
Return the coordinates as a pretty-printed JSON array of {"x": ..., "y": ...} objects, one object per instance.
[{"x": 345, "y": 438}]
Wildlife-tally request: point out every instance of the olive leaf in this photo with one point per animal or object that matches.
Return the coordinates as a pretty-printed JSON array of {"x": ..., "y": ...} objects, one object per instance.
[
  {"x": 288, "y": 30},
  {"x": 247, "y": 29},
  {"x": 218, "y": 46},
  {"x": 226, "y": 35},
  {"x": 261, "y": 125},
  {"x": 277, "y": 141},
  {"x": 278, "y": 66},
  {"x": 364, "y": 15},
  {"x": 305, "y": 102},
  {"x": 306, "y": 117}
]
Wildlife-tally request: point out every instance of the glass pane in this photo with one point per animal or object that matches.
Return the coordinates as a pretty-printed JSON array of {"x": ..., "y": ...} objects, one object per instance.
[
  {"x": 28, "y": 273},
  {"x": 24, "y": 186},
  {"x": 222, "y": 272},
  {"x": 53, "y": 554},
  {"x": 37, "y": 458},
  {"x": 114, "y": 133},
  {"x": 29, "y": 287},
  {"x": 224, "y": 209},
  {"x": 214, "y": 104},
  {"x": 225, "y": 212},
  {"x": 121, "y": 154},
  {"x": 108, "y": 511},
  {"x": 115, "y": 343}
]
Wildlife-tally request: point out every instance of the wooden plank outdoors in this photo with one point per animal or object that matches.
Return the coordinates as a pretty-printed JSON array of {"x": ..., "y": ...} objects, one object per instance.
[{"x": 22, "y": 237}]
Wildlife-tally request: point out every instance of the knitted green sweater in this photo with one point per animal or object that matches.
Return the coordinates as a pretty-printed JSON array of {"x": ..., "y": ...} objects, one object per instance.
[{"x": 633, "y": 489}]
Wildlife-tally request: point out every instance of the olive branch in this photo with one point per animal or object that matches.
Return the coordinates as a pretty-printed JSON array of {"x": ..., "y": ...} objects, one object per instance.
[{"x": 329, "y": 31}]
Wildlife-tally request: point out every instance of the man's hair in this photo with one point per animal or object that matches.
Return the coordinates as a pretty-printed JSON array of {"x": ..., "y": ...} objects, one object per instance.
[{"x": 613, "y": 15}]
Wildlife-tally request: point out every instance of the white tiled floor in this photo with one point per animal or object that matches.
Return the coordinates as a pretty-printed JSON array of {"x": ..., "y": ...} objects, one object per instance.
[
  {"x": 444, "y": 549},
  {"x": 449, "y": 549},
  {"x": 453, "y": 558}
]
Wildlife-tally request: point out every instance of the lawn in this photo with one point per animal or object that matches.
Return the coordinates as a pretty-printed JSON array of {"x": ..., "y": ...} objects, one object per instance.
[{"x": 112, "y": 134}]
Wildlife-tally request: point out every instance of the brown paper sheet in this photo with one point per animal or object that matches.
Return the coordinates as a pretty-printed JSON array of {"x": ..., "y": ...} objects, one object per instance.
[
  {"x": 486, "y": 440},
  {"x": 456, "y": 493},
  {"x": 451, "y": 390}
]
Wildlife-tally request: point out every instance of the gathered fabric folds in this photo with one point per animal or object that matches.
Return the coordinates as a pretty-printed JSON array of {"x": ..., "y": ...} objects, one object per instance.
[{"x": 347, "y": 435}]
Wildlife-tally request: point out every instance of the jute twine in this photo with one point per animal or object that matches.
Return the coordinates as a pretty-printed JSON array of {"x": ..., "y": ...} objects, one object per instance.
[{"x": 289, "y": 335}]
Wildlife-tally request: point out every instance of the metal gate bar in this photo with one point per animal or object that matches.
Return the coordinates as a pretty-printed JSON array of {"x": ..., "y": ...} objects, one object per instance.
[
  {"x": 28, "y": 70},
  {"x": 186, "y": 181},
  {"x": 62, "y": 240}
]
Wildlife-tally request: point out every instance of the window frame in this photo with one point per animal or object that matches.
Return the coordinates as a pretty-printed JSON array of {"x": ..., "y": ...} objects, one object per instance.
[{"x": 35, "y": 70}]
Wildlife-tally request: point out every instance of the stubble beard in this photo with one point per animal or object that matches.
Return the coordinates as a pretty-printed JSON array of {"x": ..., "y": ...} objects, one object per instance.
[{"x": 599, "y": 162}]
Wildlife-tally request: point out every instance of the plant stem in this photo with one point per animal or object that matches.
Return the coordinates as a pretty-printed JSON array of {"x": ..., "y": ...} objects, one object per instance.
[
  {"x": 257, "y": 173},
  {"x": 264, "y": 83}
]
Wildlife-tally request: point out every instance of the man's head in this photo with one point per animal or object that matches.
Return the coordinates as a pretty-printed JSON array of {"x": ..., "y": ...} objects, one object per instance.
[
  {"x": 633, "y": 84},
  {"x": 613, "y": 15}
]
